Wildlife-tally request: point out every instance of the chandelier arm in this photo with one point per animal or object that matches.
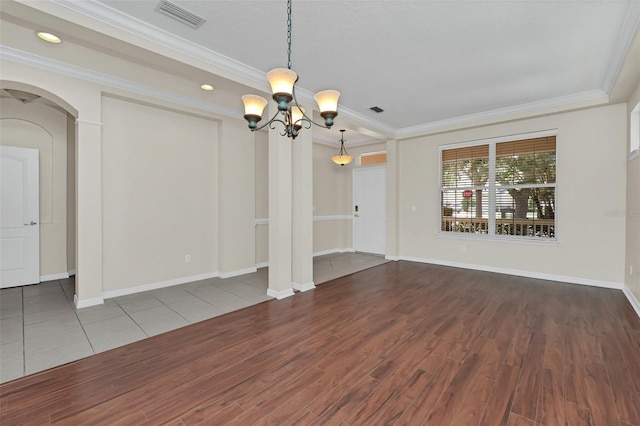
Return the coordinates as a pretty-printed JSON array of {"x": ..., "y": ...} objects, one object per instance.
[
  {"x": 273, "y": 120},
  {"x": 305, "y": 116}
]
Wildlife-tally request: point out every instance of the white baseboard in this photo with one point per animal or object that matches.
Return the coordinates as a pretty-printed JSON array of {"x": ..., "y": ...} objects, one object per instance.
[
  {"x": 316, "y": 254},
  {"x": 155, "y": 286},
  {"x": 520, "y": 273},
  {"x": 332, "y": 251},
  {"x": 635, "y": 304},
  {"x": 237, "y": 273},
  {"x": 394, "y": 258},
  {"x": 85, "y": 303},
  {"x": 60, "y": 276},
  {"x": 303, "y": 287},
  {"x": 280, "y": 294},
  {"x": 72, "y": 272}
]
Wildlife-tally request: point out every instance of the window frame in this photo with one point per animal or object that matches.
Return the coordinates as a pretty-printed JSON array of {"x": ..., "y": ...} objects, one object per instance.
[{"x": 491, "y": 187}]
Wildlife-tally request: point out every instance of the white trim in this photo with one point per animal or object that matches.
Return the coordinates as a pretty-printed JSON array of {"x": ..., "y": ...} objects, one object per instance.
[
  {"x": 52, "y": 277},
  {"x": 280, "y": 294},
  {"x": 303, "y": 287},
  {"x": 92, "y": 123},
  {"x": 315, "y": 254},
  {"x": 315, "y": 218},
  {"x": 236, "y": 71},
  {"x": 393, "y": 258},
  {"x": 621, "y": 47},
  {"x": 85, "y": 303},
  {"x": 237, "y": 272},
  {"x": 497, "y": 238},
  {"x": 155, "y": 286},
  {"x": 633, "y": 154},
  {"x": 332, "y": 251},
  {"x": 520, "y": 273},
  {"x": 635, "y": 303},
  {"x": 565, "y": 103},
  {"x": 332, "y": 217},
  {"x": 72, "y": 272},
  {"x": 36, "y": 61},
  {"x": 499, "y": 139}
]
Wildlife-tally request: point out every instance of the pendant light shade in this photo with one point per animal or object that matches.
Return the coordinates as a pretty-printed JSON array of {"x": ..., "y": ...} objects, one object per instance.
[
  {"x": 253, "y": 108},
  {"x": 343, "y": 156},
  {"x": 297, "y": 114},
  {"x": 282, "y": 81}
]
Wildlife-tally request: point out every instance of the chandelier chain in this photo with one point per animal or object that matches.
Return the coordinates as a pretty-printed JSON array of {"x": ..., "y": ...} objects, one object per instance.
[{"x": 289, "y": 34}]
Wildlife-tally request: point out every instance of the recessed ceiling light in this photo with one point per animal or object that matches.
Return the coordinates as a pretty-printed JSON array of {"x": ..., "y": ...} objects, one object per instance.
[
  {"x": 206, "y": 87},
  {"x": 48, "y": 37}
]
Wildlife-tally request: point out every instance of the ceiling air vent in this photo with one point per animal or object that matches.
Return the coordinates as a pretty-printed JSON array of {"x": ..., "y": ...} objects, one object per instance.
[
  {"x": 376, "y": 109},
  {"x": 178, "y": 13}
]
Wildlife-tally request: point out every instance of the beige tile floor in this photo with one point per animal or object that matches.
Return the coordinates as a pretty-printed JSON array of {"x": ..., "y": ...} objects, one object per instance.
[{"x": 40, "y": 327}]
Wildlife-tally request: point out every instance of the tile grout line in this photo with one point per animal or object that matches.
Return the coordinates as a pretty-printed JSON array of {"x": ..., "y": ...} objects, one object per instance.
[
  {"x": 75, "y": 311},
  {"x": 131, "y": 318}
]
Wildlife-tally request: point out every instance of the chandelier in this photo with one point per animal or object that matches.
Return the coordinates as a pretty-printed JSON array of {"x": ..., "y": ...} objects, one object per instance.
[
  {"x": 343, "y": 156},
  {"x": 293, "y": 117}
]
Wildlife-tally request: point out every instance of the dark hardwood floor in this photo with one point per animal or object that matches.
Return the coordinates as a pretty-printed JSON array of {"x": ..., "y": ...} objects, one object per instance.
[{"x": 401, "y": 343}]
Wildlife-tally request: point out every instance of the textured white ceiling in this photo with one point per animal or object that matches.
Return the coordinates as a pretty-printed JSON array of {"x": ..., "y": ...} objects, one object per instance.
[
  {"x": 421, "y": 61},
  {"x": 424, "y": 62}
]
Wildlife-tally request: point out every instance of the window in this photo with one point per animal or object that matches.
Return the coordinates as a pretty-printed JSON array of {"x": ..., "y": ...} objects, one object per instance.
[
  {"x": 502, "y": 187},
  {"x": 372, "y": 158}
]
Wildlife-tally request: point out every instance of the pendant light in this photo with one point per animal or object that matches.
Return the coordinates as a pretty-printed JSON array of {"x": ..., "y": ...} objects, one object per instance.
[
  {"x": 343, "y": 156},
  {"x": 282, "y": 81}
]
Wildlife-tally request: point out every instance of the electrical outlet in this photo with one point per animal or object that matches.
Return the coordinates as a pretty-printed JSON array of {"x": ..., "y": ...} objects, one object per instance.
[{"x": 187, "y": 258}]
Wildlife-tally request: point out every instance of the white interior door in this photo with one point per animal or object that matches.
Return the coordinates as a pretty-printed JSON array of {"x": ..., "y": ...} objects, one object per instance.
[
  {"x": 369, "y": 209},
  {"x": 19, "y": 217}
]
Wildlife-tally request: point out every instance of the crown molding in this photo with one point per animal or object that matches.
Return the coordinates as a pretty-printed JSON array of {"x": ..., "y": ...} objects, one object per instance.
[
  {"x": 165, "y": 43},
  {"x": 222, "y": 65},
  {"x": 52, "y": 65},
  {"x": 564, "y": 103},
  {"x": 180, "y": 48},
  {"x": 625, "y": 38}
]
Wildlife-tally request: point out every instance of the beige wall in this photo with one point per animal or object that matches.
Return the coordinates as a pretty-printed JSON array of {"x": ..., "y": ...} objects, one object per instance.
[
  {"x": 591, "y": 147},
  {"x": 632, "y": 280},
  {"x": 159, "y": 194},
  {"x": 236, "y": 198},
  {"x": 331, "y": 197},
  {"x": 262, "y": 196},
  {"x": 35, "y": 125}
]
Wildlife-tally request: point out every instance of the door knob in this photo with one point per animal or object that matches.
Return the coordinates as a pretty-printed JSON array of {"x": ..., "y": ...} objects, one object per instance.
[{"x": 31, "y": 224}]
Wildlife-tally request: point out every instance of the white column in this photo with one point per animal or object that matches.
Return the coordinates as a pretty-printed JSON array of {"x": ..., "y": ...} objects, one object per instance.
[
  {"x": 279, "y": 213},
  {"x": 302, "y": 225},
  {"x": 88, "y": 213}
]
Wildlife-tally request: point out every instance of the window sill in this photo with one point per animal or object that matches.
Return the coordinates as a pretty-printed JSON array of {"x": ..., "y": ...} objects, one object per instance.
[{"x": 498, "y": 239}]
